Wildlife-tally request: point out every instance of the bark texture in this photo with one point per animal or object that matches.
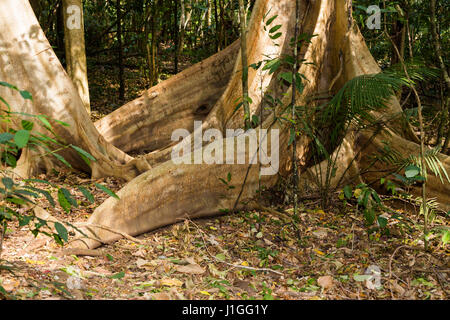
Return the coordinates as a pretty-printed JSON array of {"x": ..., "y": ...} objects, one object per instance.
[{"x": 169, "y": 191}]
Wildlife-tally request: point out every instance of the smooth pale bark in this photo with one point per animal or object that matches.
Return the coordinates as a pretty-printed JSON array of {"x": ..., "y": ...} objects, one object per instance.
[
  {"x": 171, "y": 192},
  {"x": 147, "y": 123},
  {"x": 27, "y": 60},
  {"x": 75, "y": 48}
]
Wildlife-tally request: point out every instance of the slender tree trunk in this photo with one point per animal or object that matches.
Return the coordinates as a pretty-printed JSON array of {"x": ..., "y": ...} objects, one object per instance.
[
  {"x": 243, "y": 28},
  {"x": 445, "y": 75},
  {"x": 177, "y": 34},
  {"x": 120, "y": 49},
  {"x": 75, "y": 48},
  {"x": 216, "y": 18}
]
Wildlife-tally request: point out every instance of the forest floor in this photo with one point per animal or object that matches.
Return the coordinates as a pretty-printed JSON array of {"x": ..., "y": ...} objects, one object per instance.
[{"x": 247, "y": 255}]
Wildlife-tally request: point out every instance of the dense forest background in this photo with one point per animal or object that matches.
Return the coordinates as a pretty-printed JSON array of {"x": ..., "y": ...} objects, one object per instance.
[
  {"x": 357, "y": 210},
  {"x": 160, "y": 38}
]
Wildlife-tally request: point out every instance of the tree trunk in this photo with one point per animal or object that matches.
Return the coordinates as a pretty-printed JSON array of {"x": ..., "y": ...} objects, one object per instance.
[
  {"x": 174, "y": 190},
  {"x": 75, "y": 48},
  {"x": 146, "y": 124},
  {"x": 170, "y": 192},
  {"x": 28, "y": 61},
  {"x": 120, "y": 49}
]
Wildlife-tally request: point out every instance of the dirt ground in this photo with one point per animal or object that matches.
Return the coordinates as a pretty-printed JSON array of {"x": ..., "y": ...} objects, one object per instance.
[{"x": 247, "y": 255}]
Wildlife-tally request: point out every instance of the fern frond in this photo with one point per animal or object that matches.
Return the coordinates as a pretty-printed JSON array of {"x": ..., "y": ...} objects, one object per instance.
[
  {"x": 417, "y": 69},
  {"x": 362, "y": 95},
  {"x": 432, "y": 161}
]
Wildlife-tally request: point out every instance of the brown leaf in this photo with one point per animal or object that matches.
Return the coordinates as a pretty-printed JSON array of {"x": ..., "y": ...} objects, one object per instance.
[
  {"x": 171, "y": 282},
  {"x": 325, "y": 282},
  {"x": 159, "y": 296},
  {"x": 191, "y": 269}
]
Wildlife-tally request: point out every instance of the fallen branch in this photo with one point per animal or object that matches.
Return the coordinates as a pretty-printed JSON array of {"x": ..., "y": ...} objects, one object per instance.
[
  {"x": 227, "y": 263},
  {"x": 83, "y": 252},
  {"x": 123, "y": 234}
]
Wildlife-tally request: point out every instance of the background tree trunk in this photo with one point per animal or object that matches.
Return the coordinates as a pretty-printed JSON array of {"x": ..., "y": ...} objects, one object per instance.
[{"x": 75, "y": 48}]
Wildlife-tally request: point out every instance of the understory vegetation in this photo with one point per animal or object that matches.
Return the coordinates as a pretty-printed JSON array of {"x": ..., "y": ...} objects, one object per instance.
[{"x": 349, "y": 215}]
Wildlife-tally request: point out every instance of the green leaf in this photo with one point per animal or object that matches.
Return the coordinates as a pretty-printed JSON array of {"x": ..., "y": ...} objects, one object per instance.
[
  {"x": 276, "y": 36},
  {"x": 21, "y": 138},
  {"x": 27, "y": 125},
  {"x": 44, "y": 120},
  {"x": 5, "y": 137},
  {"x": 65, "y": 204},
  {"x": 376, "y": 197},
  {"x": 45, "y": 193},
  {"x": 11, "y": 160},
  {"x": 287, "y": 76},
  {"x": 220, "y": 257},
  {"x": 446, "y": 237},
  {"x": 369, "y": 215},
  {"x": 411, "y": 171},
  {"x": 69, "y": 197},
  {"x": 275, "y": 29},
  {"x": 8, "y": 183},
  {"x": 119, "y": 275},
  {"x": 107, "y": 191},
  {"x": 291, "y": 136},
  {"x": 24, "y": 220},
  {"x": 39, "y": 181},
  {"x": 26, "y": 95},
  {"x": 84, "y": 154},
  {"x": 382, "y": 222},
  {"x": 361, "y": 277},
  {"x": 271, "y": 20},
  {"x": 6, "y": 84},
  {"x": 87, "y": 194},
  {"x": 348, "y": 192},
  {"x": 62, "y": 123},
  {"x": 62, "y": 231}
]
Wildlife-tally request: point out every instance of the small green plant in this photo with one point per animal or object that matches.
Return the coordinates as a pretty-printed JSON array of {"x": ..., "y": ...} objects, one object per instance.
[
  {"x": 19, "y": 135},
  {"x": 266, "y": 292},
  {"x": 371, "y": 204}
]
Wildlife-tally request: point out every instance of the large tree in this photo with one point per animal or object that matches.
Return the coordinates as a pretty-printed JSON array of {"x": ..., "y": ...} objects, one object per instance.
[{"x": 161, "y": 192}]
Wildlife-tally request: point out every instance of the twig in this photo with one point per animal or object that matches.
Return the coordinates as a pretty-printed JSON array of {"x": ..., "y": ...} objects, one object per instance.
[
  {"x": 2, "y": 237},
  {"x": 123, "y": 234},
  {"x": 257, "y": 206},
  {"x": 227, "y": 263},
  {"x": 83, "y": 252}
]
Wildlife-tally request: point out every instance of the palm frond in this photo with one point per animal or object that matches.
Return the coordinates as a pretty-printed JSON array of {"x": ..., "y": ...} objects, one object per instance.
[
  {"x": 358, "y": 98},
  {"x": 417, "y": 69},
  {"x": 432, "y": 161}
]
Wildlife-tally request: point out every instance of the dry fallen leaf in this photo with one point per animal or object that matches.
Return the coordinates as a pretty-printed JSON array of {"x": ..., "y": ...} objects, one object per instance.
[
  {"x": 191, "y": 269},
  {"x": 141, "y": 262},
  {"x": 320, "y": 234},
  {"x": 398, "y": 288},
  {"x": 171, "y": 283},
  {"x": 325, "y": 282},
  {"x": 160, "y": 296}
]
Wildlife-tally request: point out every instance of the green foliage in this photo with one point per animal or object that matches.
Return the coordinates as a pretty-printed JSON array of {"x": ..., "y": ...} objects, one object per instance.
[{"x": 16, "y": 192}]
